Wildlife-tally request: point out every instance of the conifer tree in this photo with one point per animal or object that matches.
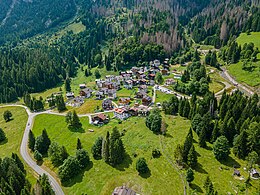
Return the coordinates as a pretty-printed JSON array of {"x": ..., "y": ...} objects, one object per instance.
[
  {"x": 18, "y": 162},
  {"x": 75, "y": 120},
  {"x": 231, "y": 130},
  {"x": 202, "y": 138},
  {"x": 31, "y": 141},
  {"x": 79, "y": 146},
  {"x": 2, "y": 135},
  {"x": 189, "y": 175},
  {"x": 215, "y": 132},
  {"x": 105, "y": 148},
  {"x": 187, "y": 146},
  {"x": 208, "y": 186},
  {"x": 240, "y": 145},
  {"x": 192, "y": 157},
  {"x": 97, "y": 148}
]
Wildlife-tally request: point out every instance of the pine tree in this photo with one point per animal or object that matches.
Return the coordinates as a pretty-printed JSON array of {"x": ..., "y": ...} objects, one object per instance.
[
  {"x": 221, "y": 148},
  {"x": 178, "y": 154},
  {"x": 105, "y": 148},
  {"x": 231, "y": 130},
  {"x": 192, "y": 157},
  {"x": 215, "y": 132},
  {"x": 97, "y": 148},
  {"x": 187, "y": 146},
  {"x": 208, "y": 186},
  {"x": 67, "y": 85},
  {"x": 202, "y": 138},
  {"x": 18, "y": 162},
  {"x": 46, "y": 188},
  {"x": 189, "y": 175},
  {"x": 31, "y": 141},
  {"x": 240, "y": 145},
  {"x": 79, "y": 146},
  {"x": 75, "y": 120},
  {"x": 83, "y": 158},
  {"x": 186, "y": 109},
  {"x": 2, "y": 135},
  {"x": 61, "y": 106}
]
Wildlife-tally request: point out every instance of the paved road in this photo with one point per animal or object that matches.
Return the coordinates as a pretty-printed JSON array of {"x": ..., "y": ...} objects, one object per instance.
[
  {"x": 227, "y": 76},
  {"x": 25, "y": 154}
]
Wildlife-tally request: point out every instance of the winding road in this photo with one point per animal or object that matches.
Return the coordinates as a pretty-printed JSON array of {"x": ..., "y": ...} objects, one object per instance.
[{"x": 24, "y": 150}]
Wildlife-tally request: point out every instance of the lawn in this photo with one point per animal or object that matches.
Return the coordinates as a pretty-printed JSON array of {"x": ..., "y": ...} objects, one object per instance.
[
  {"x": 14, "y": 130},
  {"x": 101, "y": 178},
  {"x": 161, "y": 97},
  {"x": 250, "y": 78},
  {"x": 89, "y": 106}
]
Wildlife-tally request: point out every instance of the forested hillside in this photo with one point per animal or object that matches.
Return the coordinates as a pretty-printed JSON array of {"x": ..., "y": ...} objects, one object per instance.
[
  {"x": 132, "y": 31},
  {"x": 20, "y": 19}
]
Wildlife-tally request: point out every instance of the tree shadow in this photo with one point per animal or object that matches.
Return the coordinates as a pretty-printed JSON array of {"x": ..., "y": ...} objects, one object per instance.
[
  {"x": 196, "y": 187},
  {"x": 198, "y": 154},
  {"x": 4, "y": 141},
  {"x": 230, "y": 162},
  {"x": 168, "y": 135},
  {"x": 146, "y": 175},
  {"x": 79, "y": 177},
  {"x": 125, "y": 164},
  {"x": 208, "y": 148},
  {"x": 9, "y": 120},
  {"x": 199, "y": 168},
  {"x": 76, "y": 130},
  {"x": 39, "y": 163}
]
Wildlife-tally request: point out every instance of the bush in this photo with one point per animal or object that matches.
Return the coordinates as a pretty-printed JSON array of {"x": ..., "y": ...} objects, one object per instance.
[
  {"x": 156, "y": 153},
  {"x": 141, "y": 166}
]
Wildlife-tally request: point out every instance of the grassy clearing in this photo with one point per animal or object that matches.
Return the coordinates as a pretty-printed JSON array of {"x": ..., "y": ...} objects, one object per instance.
[
  {"x": 75, "y": 28},
  {"x": 161, "y": 97},
  {"x": 89, "y": 106},
  {"x": 250, "y": 78},
  {"x": 14, "y": 130},
  {"x": 101, "y": 178}
]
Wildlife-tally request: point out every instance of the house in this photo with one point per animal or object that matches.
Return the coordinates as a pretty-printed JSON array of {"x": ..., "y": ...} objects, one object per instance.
[
  {"x": 100, "y": 83},
  {"x": 170, "y": 82},
  {"x": 82, "y": 86},
  {"x": 152, "y": 82},
  {"x": 140, "y": 94},
  {"x": 121, "y": 113},
  {"x": 254, "y": 174},
  {"x": 100, "y": 95},
  {"x": 70, "y": 95},
  {"x": 104, "y": 90},
  {"x": 133, "y": 111},
  {"x": 112, "y": 94},
  {"x": 236, "y": 173},
  {"x": 87, "y": 92},
  {"x": 124, "y": 101},
  {"x": 123, "y": 190},
  {"x": 100, "y": 119},
  {"x": 126, "y": 77},
  {"x": 110, "y": 78},
  {"x": 143, "y": 110},
  {"x": 151, "y": 76},
  {"x": 128, "y": 84},
  {"x": 156, "y": 63},
  {"x": 142, "y": 82},
  {"x": 146, "y": 100},
  {"x": 107, "y": 104},
  {"x": 164, "y": 72},
  {"x": 143, "y": 88}
]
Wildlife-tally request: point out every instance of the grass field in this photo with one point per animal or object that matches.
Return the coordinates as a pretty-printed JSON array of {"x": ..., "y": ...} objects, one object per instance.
[
  {"x": 14, "y": 132},
  {"x": 250, "y": 78},
  {"x": 216, "y": 84},
  {"x": 101, "y": 178},
  {"x": 161, "y": 97}
]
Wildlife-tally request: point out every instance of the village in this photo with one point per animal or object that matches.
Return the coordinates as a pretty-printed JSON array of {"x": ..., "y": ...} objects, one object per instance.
[{"x": 141, "y": 80}]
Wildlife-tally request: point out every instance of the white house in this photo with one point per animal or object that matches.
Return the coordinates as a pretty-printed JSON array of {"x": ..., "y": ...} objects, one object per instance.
[
  {"x": 121, "y": 113},
  {"x": 128, "y": 84}
]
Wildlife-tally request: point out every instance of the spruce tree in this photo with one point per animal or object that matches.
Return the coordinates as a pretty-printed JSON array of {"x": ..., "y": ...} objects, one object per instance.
[
  {"x": 240, "y": 145},
  {"x": 2, "y": 135},
  {"x": 79, "y": 146},
  {"x": 192, "y": 157},
  {"x": 18, "y": 162},
  {"x": 97, "y": 148},
  {"x": 75, "y": 120},
  {"x": 202, "y": 138},
  {"x": 105, "y": 148},
  {"x": 215, "y": 132},
  {"x": 186, "y": 109},
  {"x": 221, "y": 148},
  {"x": 231, "y": 130},
  {"x": 31, "y": 141},
  {"x": 189, "y": 175},
  {"x": 187, "y": 146}
]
